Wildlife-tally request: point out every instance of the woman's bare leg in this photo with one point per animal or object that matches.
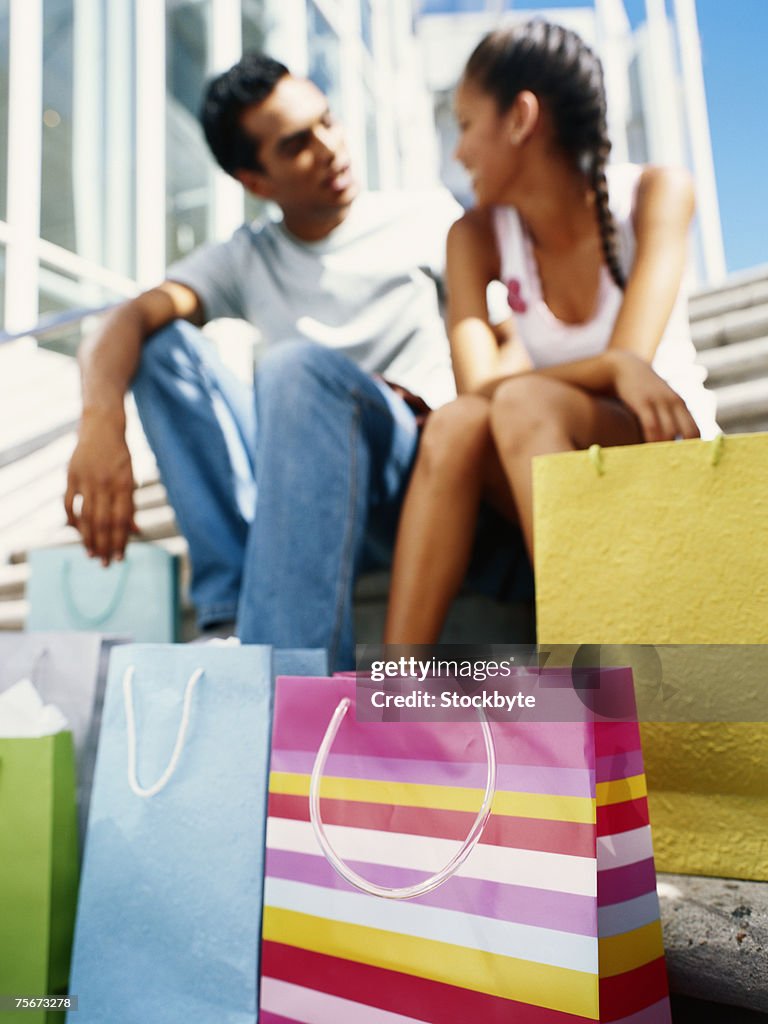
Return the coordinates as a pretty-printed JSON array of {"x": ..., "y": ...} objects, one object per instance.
[
  {"x": 437, "y": 524},
  {"x": 533, "y": 415}
]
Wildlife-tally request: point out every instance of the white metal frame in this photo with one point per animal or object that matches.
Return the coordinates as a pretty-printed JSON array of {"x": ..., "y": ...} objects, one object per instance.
[
  {"x": 228, "y": 201},
  {"x": 150, "y": 141},
  {"x": 700, "y": 140},
  {"x": 119, "y": 206},
  {"x": 25, "y": 102}
]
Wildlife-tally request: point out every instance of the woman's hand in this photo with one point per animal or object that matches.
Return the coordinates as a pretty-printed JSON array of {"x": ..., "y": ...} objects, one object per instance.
[{"x": 662, "y": 413}]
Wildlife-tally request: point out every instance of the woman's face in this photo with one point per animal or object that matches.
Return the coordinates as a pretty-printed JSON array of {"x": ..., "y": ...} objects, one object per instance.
[{"x": 483, "y": 147}]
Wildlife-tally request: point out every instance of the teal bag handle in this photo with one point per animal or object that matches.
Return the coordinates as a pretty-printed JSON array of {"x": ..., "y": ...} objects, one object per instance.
[{"x": 97, "y": 618}]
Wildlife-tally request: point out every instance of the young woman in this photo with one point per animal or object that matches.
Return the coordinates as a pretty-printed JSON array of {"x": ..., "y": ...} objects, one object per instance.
[{"x": 597, "y": 349}]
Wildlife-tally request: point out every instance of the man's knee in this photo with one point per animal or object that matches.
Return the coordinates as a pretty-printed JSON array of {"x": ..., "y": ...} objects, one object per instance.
[
  {"x": 172, "y": 348},
  {"x": 292, "y": 368}
]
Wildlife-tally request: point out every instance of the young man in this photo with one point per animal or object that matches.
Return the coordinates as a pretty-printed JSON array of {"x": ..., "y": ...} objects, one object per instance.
[{"x": 275, "y": 496}]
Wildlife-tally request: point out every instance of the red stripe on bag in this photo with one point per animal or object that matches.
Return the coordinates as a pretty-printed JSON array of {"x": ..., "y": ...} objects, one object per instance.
[
  {"x": 623, "y": 817},
  {"x": 546, "y": 836},
  {"x": 617, "y": 885},
  {"x": 400, "y": 993},
  {"x": 628, "y": 993},
  {"x": 616, "y": 738}
]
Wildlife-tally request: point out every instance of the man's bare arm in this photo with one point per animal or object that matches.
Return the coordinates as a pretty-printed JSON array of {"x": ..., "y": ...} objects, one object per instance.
[{"x": 100, "y": 471}]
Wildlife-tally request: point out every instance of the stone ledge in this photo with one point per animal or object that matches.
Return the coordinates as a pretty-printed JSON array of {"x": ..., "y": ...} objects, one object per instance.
[{"x": 716, "y": 940}]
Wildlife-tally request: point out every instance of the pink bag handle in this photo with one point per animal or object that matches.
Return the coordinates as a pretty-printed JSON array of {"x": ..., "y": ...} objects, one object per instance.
[{"x": 409, "y": 891}]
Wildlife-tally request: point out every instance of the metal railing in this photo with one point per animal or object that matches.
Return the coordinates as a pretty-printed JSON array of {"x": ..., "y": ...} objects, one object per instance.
[{"x": 53, "y": 325}]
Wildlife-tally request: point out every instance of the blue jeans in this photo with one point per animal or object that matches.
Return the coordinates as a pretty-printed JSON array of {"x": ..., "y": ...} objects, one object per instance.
[{"x": 327, "y": 448}]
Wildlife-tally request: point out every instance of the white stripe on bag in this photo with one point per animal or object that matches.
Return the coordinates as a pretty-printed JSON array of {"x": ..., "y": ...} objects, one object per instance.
[
  {"x": 624, "y": 848},
  {"x": 620, "y": 918},
  {"x": 556, "y": 872}
]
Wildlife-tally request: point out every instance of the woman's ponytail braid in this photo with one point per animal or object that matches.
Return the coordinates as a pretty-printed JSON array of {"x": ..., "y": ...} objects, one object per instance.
[
  {"x": 557, "y": 66},
  {"x": 605, "y": 221}
]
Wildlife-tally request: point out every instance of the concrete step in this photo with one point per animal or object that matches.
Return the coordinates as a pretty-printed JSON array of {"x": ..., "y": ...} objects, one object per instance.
[
  {"x": 13, "y": 581},
  {"x": 154, "y": 524},
  {"x": 728, "y": 328},
  {"x": 743, "y": 289},
  {"x": 13, "y": 615},
  {"x": 743, "y": 407},
  {"x": 39, "y": 398},
  {"x": 743, "y": 360},
  {"x": 716, "y": 941}
]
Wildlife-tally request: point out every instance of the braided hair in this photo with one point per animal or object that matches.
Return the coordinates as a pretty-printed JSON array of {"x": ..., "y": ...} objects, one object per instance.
[{"x": 557, "y": 66}]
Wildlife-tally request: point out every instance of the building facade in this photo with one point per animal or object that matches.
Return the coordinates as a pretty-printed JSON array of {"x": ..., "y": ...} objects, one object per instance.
[{"x": 105, "y": 177}]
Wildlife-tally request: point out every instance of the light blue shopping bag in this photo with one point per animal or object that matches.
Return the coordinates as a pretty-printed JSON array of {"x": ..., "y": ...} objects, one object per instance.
[
  {"x": 138, "y": 597},
  {"x": 169, "y": 917}
]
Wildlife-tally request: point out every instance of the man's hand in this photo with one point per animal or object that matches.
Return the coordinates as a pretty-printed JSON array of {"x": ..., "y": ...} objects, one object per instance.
[
  {"x": 100, "y": 474},
  {"x": 662, "y": 413}
]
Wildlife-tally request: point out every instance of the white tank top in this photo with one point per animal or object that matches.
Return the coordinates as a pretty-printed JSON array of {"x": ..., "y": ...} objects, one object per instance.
[{"x": 550, "y": 341}]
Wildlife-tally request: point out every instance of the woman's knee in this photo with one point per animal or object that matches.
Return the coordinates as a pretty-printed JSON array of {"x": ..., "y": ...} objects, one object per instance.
[
  {"x": 526, "y": 407},
  {"x": 456, "y": 437}
]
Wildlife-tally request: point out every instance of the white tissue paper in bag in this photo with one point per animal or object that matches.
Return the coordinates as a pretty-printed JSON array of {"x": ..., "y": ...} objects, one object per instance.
[{"x": 24, "y": 715}]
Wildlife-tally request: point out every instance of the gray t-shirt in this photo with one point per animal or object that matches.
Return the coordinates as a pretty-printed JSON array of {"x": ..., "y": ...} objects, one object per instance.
[{"x": 369, "y": 290}]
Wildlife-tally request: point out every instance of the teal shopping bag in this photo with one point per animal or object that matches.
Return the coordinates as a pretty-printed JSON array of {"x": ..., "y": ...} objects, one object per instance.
[
  {"x": 138, "y": 597},
  {"x": 38, "y": 868}
]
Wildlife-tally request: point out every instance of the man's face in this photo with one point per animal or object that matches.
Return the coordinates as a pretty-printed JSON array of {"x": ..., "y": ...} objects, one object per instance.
[{"x": 301, "y": 149}]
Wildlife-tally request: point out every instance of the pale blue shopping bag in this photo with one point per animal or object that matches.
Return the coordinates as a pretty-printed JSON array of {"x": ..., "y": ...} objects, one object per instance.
[
  {"x": 138, "y": 597},
  {"x": 169, "y": 916}
]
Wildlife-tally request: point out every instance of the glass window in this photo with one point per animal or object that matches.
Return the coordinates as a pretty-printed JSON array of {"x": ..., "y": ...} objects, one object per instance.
[
  {"x": 372, "y": 140},
  {"x": 451, "y": 6},
  {"x": 324, "y": 56},
  {"x": 4, "y": 29},
  {"x": 366, "y": 23},
  {"x": 253, "y": 25},
  {"x": 2, "y": 285},
  {"x": 61, "y": 292},
  {"x": 636, "y": 133},
  {"x": 88, "y": 132},
  {"x": 189, "y": 166},
  {"x": 57, "y": 213},
  {"x": 254, "y": 35}
]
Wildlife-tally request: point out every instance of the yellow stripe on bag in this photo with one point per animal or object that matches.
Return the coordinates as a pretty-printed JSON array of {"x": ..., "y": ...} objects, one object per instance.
[
  {"x": 555, "y": 988},
  {"x": 444, "y": 798},
  {"x": 618, "y": 790},
  {"x": 621, "y": 953}
]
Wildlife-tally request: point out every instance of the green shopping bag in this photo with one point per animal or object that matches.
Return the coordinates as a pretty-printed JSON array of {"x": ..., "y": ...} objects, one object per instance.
[{"x": 38, "y": 868}]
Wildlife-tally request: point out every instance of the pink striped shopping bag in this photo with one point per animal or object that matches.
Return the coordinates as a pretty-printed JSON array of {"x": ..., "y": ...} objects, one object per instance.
[{"x": 542, "y": 912}]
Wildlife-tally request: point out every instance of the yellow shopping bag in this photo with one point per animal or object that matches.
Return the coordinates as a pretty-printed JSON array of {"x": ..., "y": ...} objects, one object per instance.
[{"x": 668, "y": 544}]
